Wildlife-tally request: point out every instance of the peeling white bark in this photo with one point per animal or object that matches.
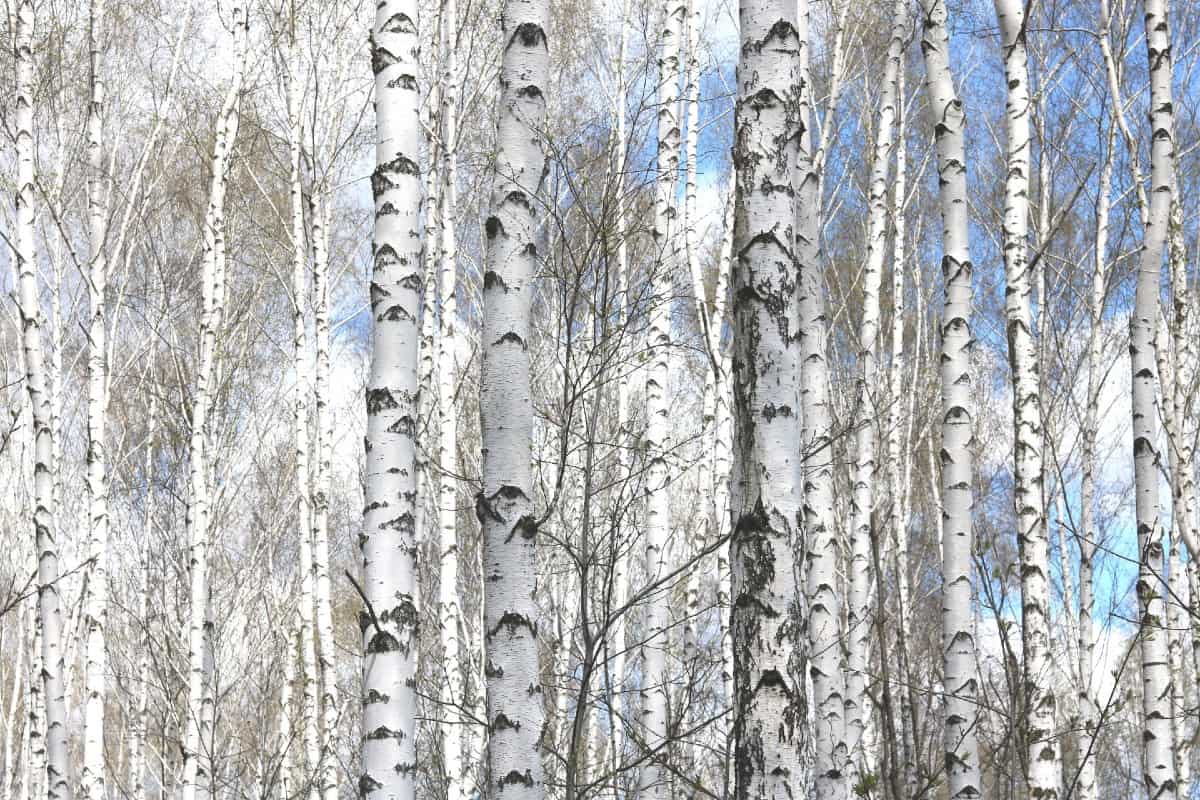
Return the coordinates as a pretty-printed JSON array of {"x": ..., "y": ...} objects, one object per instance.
[
  {"x": 960, "y": 683},
  {"x": 505, "y": 504},
  {"x": 769, "y": 728},
  {"x": 390, "y": 541}
]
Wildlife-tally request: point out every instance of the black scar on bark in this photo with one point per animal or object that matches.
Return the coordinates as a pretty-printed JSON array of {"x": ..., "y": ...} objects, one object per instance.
[
  {"x": 398, "y": 23},
  {"x": 517, "y": 777},
  {"x": 530, "y": 34},
  {"x": 492, "y": 227},
  {"x": 511, "y": 621},
  {"x": 383, "y": 642},
  {"x": 502, "y": 723},
  {"x": 405, "y": 81},
  {"x": 367, "y": 784},
  {"x": 513, "y": 337},
  {"x": 380, "y": 400},
  {"x": 381, "y": 59}
]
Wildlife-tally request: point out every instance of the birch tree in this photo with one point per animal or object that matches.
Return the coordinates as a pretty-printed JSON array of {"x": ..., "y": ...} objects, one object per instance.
[
  {"x": 765, "y": 505},
  {"x": 92, "y": 777},
  {"x": 821, "y": 593},
  {"x": 505, "y": 504},
  {"x": 656, "y": 439},
  {"x": 960, "y": 683},
  {"x": 858, "y": 612},
  {"x": 195, "y": 775},
  {"x": 389, "y": 544},
  {"x": 1158, "y": 767},
  {"x": 52, "y": 666},
  {"x": 1044, "y": 762}
]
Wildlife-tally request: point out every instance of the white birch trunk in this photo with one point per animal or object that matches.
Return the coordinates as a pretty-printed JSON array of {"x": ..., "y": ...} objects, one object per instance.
[
  {"x": 389, "y": 545},
  {"x": 505, "y": 504},
  {"x": 768, "y": 722},
  {"x": 957, "y": 470},
  {"x": 898, "y": 455},
  {"x": 864, "y": 494},
  {"x": 96, "y": 602},
  {"x": 300, "y": 423},
  {"x": 1158, "y": 768},
  {"x": 57, "y": 773},
  {"x": 1044, "y": 763},
  {"x": 657, "y": 437},
  {"x": 454, "y": 684},
  {"x": 197, "y": 729},
  {"x": 327, "y": 650},
  {"x": 1088, "y": 724},
  {"x": 136, "y": 773},
  {"x": 822, "y": 590}
]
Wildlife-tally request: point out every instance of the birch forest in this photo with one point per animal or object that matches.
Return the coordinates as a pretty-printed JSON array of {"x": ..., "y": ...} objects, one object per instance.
[{"x": 599, "y": 400}]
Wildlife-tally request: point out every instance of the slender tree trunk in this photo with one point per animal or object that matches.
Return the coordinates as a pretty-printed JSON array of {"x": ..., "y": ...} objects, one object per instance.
[
  {"x": 505, "y": 505},
  {"x": 768, "y": 700},
  {"x": 326, "y": 652},
  {"x": 822, "y": 590},
  {"x": 957, "y": 472},
  {"x": 656, "y": 440},
  {"x": 96, "y": 612},
  {"x": 389, "y": 544},
  {"x": 197, "y": 731},
  {"x": 859, "y": 612},
  {"x": 300, "y": 423},
  {"x": 1158, "y": 768},
  {"x": 453, "y": 686},
  {"x": 1044, "y": 763},
  {"x": 287, "y": 729},
  {"x": 896, "y": 449},
  {"x": 49, "y": 612},
  {"x": 1085, "y": 785},
  {"x": 136, "y": 779}
]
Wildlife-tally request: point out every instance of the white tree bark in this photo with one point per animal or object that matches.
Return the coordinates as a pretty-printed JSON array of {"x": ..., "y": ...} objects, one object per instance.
[
  {"x": 1158, "y": 767},
  {"x": 453, "y": 686},
  {"x": 1085, "y": 756},
  {"x": 300, "y": 423},
  {"x": 1044, "y": 763},
  {"x": 822, "y": 590},
  {"x": 656, "y": 440},
  {"x": 52, "y": 669},
  {"x": 327, "y": 650},
  {"x": 389, "y": 544},
  {"x": 505, "y": 504},
  {"x": 863, "y": 499},
  {"x": 136, "y": 779},
  {"x": 898, "y": 456},
  {"x": 96, "y": 602},
  {"x": 197, "y": 728},
  {"x": 768, "y": 698},
  {"x": 957, "y": 470}
]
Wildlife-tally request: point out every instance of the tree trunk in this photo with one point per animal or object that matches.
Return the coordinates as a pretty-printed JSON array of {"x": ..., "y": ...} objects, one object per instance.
[
  {"x": 957, "y": 473},
  {"x": 768, "y": 701},
  {"x": 326, "y": 652},
  {"x": 822, "y": 595},
  {"x": 195, "y": 777},
  {"x": 1044, "y": 764},
  {"x": 505, "y": 504},
  {"x": 859, "y": 611},
  {"x": 49, "y": 605},
  {"x": 389, "y": 544},
  {"x": 96, "y": 601},
  {"x": 1158, "y": 767}
]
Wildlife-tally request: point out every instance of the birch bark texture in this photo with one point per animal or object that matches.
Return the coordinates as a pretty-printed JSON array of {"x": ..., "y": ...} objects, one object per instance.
[
  {"x": 822, "y": 590},
  {"x": 1044, "y": 763},
  {"x": 1158, "y": 769},
  {"x": 49, "y": 624},
  {"x": 505, "y": 504},
  {"x": 766, "y": 488},
  {"x": 858, "y": 622},
  {"x": 389, "y": 544},
  {"x": 199, "y": 700},
  {"x": 656, "y": 440},
  {"x": 960, "y": 682},
  {"x": 92, "y": 778}
]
